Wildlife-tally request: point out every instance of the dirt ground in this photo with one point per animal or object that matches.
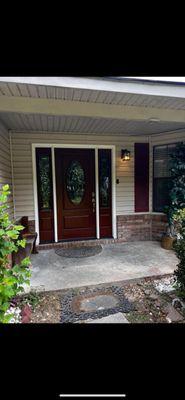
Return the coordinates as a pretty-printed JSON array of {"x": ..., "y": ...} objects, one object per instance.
[{"x": 150, "y": 305}]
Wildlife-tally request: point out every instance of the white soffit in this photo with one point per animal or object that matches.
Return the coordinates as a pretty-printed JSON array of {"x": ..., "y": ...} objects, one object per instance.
[
  {"x": 129, "y": 95},
  {"x": 85, "y": 125}
]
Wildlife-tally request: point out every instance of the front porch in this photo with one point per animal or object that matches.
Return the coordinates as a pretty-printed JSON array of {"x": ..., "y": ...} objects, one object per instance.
[
  {"x": 45, "y": 122},
  {"x": 116, "y": 262}
]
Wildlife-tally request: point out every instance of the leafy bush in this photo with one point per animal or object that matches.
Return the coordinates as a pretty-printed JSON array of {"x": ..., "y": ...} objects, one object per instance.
[
  {"x": 179, "y": 247},
  {"x": 177, "y": 187},
  {"x": 177, "y": 191},
  {"x": 11, "y": 279}
]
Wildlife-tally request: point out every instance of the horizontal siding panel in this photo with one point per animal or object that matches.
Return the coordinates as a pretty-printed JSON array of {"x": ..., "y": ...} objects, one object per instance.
[
  {"x": 28, "y": 197},
  {"x": 30, "y": 215},
  {"x": 23, "y": 163},
  {"x": 23, "y": 207},
  {"x": 5, "y": 165},
  {"x": 5, "y": 175},
  {"x": 5, "y": 157},
  {"x": 23, "y": 176},
  {"x": 26, "y": 203},
  {"x": 18, "y": 157}
]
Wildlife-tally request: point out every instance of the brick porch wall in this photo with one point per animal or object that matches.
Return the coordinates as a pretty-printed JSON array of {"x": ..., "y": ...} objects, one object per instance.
[
  {"x": 141, "y": 226},
  {"x": 159, "y": 225},
  {"x": 129, "y": 228}
]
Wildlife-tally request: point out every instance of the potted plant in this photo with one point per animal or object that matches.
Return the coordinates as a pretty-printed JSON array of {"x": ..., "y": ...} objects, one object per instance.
[{"x": 170, "y": 236}]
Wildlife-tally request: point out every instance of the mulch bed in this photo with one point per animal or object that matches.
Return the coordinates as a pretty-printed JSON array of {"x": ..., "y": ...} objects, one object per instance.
[
  {"x": 48, "y": 310},
  {"x": 141, "y": 302}
]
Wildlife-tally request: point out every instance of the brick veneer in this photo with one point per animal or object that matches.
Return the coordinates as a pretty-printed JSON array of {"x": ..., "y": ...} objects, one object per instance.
[
  {"x": 129, "y": 228},
  {"x": 141, "y": 226},
  {"x": 159, "y": 225},
  {"x": 75, "y": 243}
]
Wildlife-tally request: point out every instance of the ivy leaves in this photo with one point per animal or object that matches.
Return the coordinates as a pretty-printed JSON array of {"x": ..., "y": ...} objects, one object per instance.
[{"x": 11, "y": 279}]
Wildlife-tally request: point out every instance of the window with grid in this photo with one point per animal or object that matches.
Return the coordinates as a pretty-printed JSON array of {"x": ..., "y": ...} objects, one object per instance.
[{"x": 161, "y": 175}]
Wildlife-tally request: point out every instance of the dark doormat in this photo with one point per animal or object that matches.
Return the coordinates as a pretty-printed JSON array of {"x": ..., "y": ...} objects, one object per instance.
[
  {"x": 82, "y": 304},
  {"x": 79, "y": 252}
]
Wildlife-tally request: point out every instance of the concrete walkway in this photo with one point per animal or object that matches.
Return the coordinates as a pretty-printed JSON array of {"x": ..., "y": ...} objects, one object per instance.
[{"x": 116, "y": 262}]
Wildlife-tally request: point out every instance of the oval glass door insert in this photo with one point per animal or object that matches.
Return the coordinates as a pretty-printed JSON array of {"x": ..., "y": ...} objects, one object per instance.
[{"x": 75, "y": 182}]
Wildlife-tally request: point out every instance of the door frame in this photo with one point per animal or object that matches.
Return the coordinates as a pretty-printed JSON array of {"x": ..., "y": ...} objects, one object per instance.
[{"x": 75, "y": 146}]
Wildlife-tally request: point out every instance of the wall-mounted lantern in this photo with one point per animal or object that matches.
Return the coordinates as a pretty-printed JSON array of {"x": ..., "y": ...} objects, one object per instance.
[{"x": 125, "y": 155}]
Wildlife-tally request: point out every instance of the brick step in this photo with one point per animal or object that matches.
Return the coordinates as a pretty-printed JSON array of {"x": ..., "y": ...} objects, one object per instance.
[{"x": 77, "y": 243}]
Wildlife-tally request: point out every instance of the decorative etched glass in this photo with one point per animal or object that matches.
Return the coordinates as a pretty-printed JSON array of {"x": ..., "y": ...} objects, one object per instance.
[
  {"x": 45, "y": 182},
  {"x": 104, "y": 169},
  {"x": 75, "y": 182}
]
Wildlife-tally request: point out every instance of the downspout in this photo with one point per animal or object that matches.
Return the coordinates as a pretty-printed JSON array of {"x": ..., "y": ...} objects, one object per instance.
[{"x": 11, "y": 158}]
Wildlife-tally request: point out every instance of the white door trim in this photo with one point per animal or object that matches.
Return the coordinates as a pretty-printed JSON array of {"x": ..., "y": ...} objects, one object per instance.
[
  {"x": 73, "y": 146},
  {"x": 54, "y": 194},
  {"x": 97, "y": 195},
  {"x": 35, "y": 193}
]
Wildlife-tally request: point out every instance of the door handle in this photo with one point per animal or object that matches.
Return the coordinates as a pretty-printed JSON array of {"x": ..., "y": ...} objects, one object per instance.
[{"x": 93, "y": 202}]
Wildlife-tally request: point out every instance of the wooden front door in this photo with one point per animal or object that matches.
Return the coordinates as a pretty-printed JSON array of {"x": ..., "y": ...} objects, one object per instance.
[{"x": 75, "y": 188}]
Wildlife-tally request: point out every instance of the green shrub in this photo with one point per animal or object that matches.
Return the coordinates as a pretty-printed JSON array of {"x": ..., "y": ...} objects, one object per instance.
[
  {"x": 179, "y": 247},
  {"x": 177, "y": 190},
  {"x": 11, "y": 279},
  {"x": 176, "y": 187}
]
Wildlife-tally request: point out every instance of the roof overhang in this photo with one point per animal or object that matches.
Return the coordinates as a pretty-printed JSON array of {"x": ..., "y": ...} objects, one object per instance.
[
  {"x": 103, "y": 84},
  {"x": 94, "y": 103}
]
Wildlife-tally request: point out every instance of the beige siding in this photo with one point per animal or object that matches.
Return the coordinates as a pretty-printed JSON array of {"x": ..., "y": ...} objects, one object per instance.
[
  {"x": 5, "y": 164},
  {"x": 23, "y": 174}
]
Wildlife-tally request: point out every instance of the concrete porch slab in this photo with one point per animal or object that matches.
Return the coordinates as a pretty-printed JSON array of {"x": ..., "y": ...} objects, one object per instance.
[{"x": 116, "y": 262}]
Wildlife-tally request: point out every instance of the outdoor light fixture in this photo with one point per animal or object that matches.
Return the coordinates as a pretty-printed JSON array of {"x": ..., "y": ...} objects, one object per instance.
[{"x": 125, "y": 154}]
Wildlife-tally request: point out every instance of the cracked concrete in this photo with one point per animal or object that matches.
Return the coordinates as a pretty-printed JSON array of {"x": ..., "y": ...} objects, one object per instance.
[{"x": 117, "y": 262}]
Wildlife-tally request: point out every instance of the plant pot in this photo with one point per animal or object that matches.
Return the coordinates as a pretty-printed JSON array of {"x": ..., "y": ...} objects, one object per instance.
[{"x": 167, "y": 242}]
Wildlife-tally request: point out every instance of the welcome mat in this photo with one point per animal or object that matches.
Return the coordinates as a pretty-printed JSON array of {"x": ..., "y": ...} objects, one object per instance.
[
  {"x": 82, "y": 304},
  {"x": 79, "y": 252}
]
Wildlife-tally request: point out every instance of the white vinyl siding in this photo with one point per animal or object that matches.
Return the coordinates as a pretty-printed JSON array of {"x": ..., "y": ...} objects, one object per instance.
[{"x": 5, "y": 164}]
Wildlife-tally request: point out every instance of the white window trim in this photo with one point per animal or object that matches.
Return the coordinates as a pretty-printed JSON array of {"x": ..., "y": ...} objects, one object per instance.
[{"x": 74, "y": 146}]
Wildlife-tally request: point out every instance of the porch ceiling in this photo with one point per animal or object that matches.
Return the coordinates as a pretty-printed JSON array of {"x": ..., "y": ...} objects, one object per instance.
[
  {"x": 75, "y": 124},
  {"x": 95, "y": 106}
]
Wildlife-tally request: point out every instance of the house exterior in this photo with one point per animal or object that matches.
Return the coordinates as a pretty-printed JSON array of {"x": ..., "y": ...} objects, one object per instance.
[{"x": 63, "y": 143}]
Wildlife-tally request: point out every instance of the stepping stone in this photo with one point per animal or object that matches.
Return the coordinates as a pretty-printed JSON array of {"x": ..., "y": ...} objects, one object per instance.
[
  {"x": 98, "y": 302},
  {"x": 118, "y": 318},
  {"x": 173, "y": 315}
]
